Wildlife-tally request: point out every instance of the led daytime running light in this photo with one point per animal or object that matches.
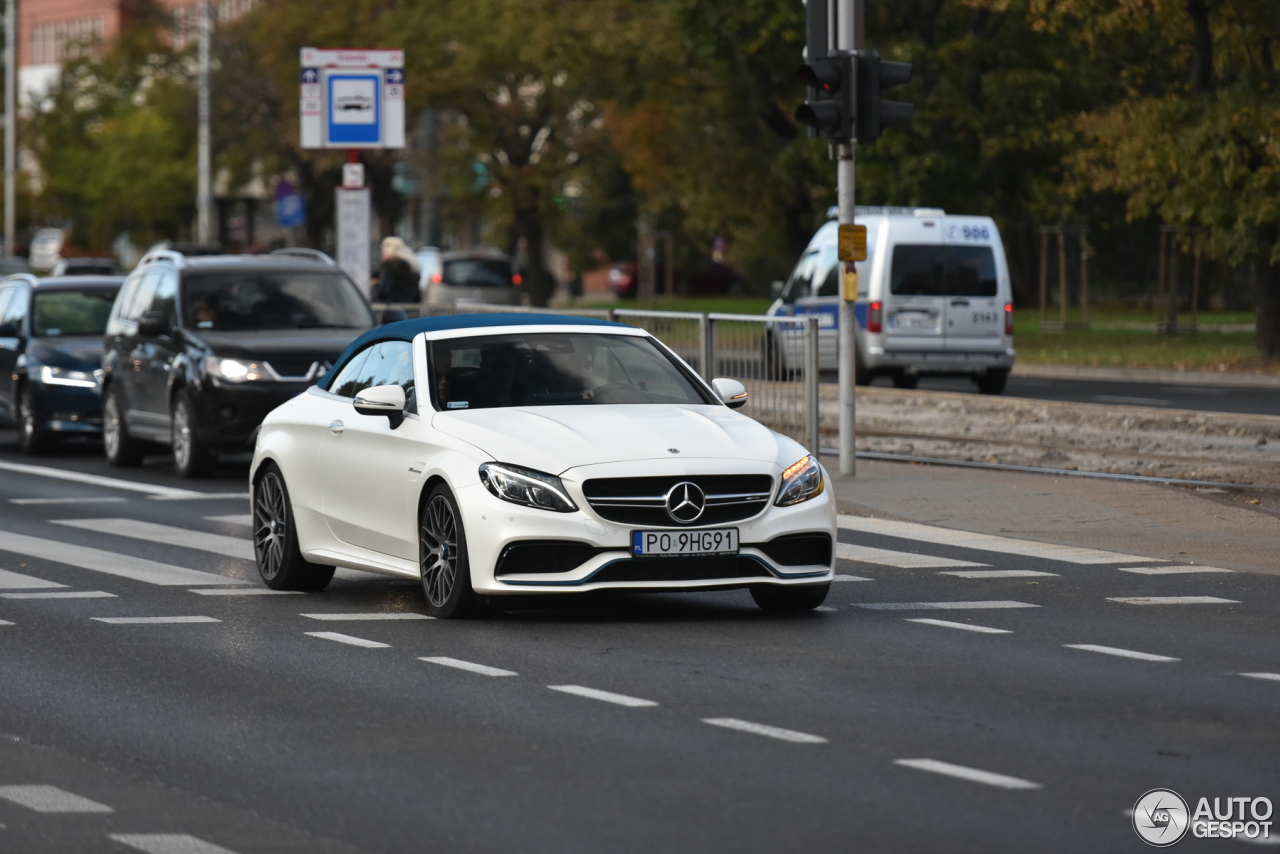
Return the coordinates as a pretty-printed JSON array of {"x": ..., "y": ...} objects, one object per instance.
[
  {"x": 801, "y": 481},
  {"x": 527, "y": 487}
]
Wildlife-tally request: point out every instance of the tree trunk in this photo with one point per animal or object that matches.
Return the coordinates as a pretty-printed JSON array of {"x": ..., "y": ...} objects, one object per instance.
[
  {"x": 537, "y": 279},
  {"x": 1267, "y": 283},
  {"x": 1202, "y": 44}
]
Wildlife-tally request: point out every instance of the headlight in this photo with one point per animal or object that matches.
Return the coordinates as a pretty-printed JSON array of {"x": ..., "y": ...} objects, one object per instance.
[
  {"x": 800, "y": 482},
  {"x": 233, "y": 370},
  {"x": 527, "y": 487},
  {"x": 62, "y": 376}
]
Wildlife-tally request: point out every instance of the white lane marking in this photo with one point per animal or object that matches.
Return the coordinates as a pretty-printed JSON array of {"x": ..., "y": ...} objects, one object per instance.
[
  {"x": 943, "y": 606},
  {"x": 902, "y": 560},
  {"x": 1172, "y": 600},
  {"x": 354, "y": 641},
  {"x": 606, "y": 696},
  {"x": 377, "y": 615},
  {"x": 850, "y": 578},
  {"x": 111, "y": 563},
  {"x": 1274, "y": 677},
  {"x": 1123, "y": 653},
  {"x": 58, "y": 594},
  {"x": 103, "y": 500},
  {"x": 169, "y": 843},
  {"x": 766, "y": 730},
  {"x": 240, "y": 547},
  {"x": 973, "y": 775},
  {"x": 153, "y": 621},
  {"x": 1170, "y": 570},
  {"x": 482, "y": 669},
  {"x": 984, "y": 542},
  {"x": 1134, "y": 401},
  {"x": 200, "y": 496},
  {"x": 5, "y": 623},
  {"x": 98, "y": 480},
  {"x": 50, "y": 799},
  {"x": 968, "y": 627},
  {"x": 18, "y": 581},
  {"x": 826, "y": 610},
  {"x": 234, "y": 519},
  {"x": 247, "y": 591},
  {"x": 998, "y": 573}
]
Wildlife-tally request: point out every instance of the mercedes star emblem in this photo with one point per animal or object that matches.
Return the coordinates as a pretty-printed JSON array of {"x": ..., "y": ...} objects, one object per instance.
[{"x": 685, "y": 502}]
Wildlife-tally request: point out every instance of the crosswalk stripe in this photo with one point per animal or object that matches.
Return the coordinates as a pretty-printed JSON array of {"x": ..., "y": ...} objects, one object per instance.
[
  {"x": 850, "y": 578},
  {"x": 99, "y": 480},
  {"x": 18, "y": 581},
  {"x": 605, "y": 696},
  {"x": 1172, "y": 600},
  {"x": 1122, "y": 653},
  {"x": 1274, "y": 677},
  {"x": 5, "y": 623},
  {"x": 968, "y": 627},
  {"x": 247, "y": 591},
  {"x": 984, "y": 542},
  {"x": 245, "y": 519},
  {"x": 168, "y": 843},
  {"x": 110, "y": 563},
  {"x": 102, "y": 500},
  {"x": 50, "y": 799},
  {"x": 348, "y": 639},
  {"x": 60, "y": 594},
  {"x": 999, "y": 573},
  {"x": 167, "y": 534},
  {"x": 901, "y": 560},
  {"x": 973, "y": 775},
  {"x": 944, "y": 606},
  {"x": 154, "y": 621},
  {"x": 1171, "y": 570},
  {"x": 482, "y": 669},
  {"x": 376, "y": 615},
  {"x": 766, "y": 730}
]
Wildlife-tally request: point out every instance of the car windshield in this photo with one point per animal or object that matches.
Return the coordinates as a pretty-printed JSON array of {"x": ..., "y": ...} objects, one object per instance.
[
  {"x": 273, "y": 299},
  {"x": 79, "y": 312},
  {"x": 556, "y": 369},
  {"x": 477, "y": 272}
]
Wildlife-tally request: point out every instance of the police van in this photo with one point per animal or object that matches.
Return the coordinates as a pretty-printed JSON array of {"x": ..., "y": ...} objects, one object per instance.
[{"x": 933, "y": 298}]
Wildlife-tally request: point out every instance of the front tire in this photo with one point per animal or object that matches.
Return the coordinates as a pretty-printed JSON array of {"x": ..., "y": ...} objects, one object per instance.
[
  {"x": 275, "y": 538},
  {"x": 33, "y": 438},
  {"x": 191, "y": 456},
  {"x": 907, "y": 381},
  {"x": 775, "y": 597},
  {"x": 121, "y": 449},
  {"x": 443, "y": 560}
]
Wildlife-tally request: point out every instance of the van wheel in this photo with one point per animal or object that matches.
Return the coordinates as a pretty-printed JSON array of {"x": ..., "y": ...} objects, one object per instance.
[
  {"x": 992, "y": 382},
  {"x": 906, "y": 380},
  {"x": 121, "y": 448}
]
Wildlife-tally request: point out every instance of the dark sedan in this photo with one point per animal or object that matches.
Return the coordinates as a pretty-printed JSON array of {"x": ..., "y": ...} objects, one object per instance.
[{"x": 50, "y": 355}]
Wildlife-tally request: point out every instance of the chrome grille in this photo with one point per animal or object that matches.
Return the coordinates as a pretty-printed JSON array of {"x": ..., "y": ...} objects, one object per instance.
[{"x": 642, "y": 500}]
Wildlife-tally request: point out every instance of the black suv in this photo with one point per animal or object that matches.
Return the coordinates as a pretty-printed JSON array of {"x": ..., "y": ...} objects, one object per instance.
[{"x": 198, "y": 350}]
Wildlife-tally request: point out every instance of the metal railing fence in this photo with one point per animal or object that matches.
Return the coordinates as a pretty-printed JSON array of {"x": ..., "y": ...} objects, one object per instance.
[{"x": 776, "y": 358}]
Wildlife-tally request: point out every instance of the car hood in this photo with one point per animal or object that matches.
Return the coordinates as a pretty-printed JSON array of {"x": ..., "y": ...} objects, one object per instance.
[
  {"x": 557, "y": 438},
  {"x": 263, "y": 344},
  {"x": 74, "y": 352}
]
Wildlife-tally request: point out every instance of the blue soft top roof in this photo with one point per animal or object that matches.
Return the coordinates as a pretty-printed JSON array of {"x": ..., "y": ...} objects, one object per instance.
[{"x": 406, "y": 330}]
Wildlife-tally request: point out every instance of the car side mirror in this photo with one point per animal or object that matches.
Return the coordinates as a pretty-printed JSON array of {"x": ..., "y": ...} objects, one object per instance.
[
  {"x": 733, "y": 394},
  {"x": 153, "y": 323},
  {"x": 775, "y": 288},
  {"x": 388, "y": 400},
  {"x": 8, "y": 330}
]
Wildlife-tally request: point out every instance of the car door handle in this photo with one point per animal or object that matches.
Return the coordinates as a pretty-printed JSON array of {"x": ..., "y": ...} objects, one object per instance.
[{"x": 335, "y": 427}]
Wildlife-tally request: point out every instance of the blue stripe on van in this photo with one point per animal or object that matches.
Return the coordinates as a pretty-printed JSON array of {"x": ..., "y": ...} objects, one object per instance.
[{"x": 828, "y": 313}]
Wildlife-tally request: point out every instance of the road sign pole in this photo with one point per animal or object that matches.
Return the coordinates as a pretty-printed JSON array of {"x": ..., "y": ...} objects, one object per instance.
[
  {"x": 846, "y": 39},
  {"x": 10, "y": 122},
  {"x": 203, "y": 194}
]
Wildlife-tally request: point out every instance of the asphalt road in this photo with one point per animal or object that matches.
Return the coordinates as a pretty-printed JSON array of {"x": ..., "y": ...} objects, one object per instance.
[{"x": 920, "y": 710}]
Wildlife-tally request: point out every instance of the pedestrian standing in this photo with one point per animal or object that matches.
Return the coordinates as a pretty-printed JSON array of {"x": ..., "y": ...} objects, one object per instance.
[{"x": 398, "y": 274}]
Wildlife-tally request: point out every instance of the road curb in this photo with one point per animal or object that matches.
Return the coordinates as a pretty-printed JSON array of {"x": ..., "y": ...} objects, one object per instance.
[{"x": 1146, "y": 375}]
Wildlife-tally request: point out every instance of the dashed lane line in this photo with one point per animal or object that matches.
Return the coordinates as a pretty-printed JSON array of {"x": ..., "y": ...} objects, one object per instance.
[
  {"x": 1172, "y": 600},
  {"x": 944, "y": 606},
  {"x": 766, "y": 730},
  {"x": 153, "y": 621},
  {"x": 238, "y": 547},
  {"x": 18, "y": 581},
  {"x": 5, "y": 623},
  {"x": 973, "y": 775},
  {"x": 169, "y": 843},
  {"x": 1123, "y": 653},
  {"x": 86, "y": 500},
  {"x": 827, "y": 609},
  {"x": 110, "y": 563},
  {"x": 245, "y": 519},
  {"x": 901, "y": 560},
  {"x": 850, "y": 578},
  {"x": 1274, "y": 677},
  {"x": 98, "y": 480},
  {"x": 246, "y": 591},
  {"x": 999, "y": 573},
  {"x": 604, "y": 696},
  {"x": 984, "y": 542},
  {"x": 1170, "y": 570},
  {"x": 376, "y": 615},
  {"x": 51, "y": 799},
  {"x": 968, "y": 627},
  {"x": 482, "y": 669},
  {"x": 348, "y": 639},
  {"x": 60, "y": 594}
]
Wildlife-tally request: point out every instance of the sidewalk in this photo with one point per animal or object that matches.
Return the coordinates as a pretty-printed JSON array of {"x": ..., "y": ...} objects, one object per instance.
[
  {"x": 1165, "y": 522},
  {"x": 1154, "y": 376}
]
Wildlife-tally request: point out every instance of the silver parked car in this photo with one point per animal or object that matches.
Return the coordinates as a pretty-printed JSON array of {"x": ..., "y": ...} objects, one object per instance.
[{"x": 484, "y": 276}]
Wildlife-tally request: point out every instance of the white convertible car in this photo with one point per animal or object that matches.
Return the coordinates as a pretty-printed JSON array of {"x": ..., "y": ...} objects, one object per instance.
[{"x": 499, "y": 454}]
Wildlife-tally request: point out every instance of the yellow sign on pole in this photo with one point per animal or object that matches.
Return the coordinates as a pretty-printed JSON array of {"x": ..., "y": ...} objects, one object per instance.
[{"x": 853, "y": 242}]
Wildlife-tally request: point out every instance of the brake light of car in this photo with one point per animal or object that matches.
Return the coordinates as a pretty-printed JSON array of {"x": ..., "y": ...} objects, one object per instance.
[
  {"x": 517, "y": 279},
  {"x": 1008, "y": 318},
  {"x": 437, "y": 278},
  {"x": 875, "y": 317}
]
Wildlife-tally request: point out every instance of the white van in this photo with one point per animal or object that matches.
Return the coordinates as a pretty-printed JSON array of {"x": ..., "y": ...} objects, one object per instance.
[{"x": 933, "y": 298}]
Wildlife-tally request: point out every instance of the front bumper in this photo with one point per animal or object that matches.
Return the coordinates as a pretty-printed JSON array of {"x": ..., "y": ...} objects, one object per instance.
[{"x": 65, "y": 409}]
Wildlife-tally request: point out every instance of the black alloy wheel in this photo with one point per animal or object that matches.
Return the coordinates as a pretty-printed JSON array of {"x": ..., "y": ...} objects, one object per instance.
[
  {"x": 33, "y": 438},
  {"x": 191, "y": 457},
  {"x": 443, "y": 559},
  {"x": 776, "y": 597},
  {"x": 121, "y": 448},
  {"x": 275, "y": 538}
]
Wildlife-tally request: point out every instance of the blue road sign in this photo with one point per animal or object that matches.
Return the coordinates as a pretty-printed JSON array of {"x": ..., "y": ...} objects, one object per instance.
[
  {"x": 395, "y": 75},
  {"x": 291, "y": 211},
  {"x": 355, "y": 108},
  {"x": 310, "y": 75}
]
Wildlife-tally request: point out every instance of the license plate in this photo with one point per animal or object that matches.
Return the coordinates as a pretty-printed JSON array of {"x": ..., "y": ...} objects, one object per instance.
[
  {"x": 912, "y": 320},
  {"x": 710, "y": 541}
]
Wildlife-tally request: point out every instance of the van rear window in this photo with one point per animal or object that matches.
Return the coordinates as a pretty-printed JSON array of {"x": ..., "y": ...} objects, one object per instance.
[{"x": 936, "y": 271}]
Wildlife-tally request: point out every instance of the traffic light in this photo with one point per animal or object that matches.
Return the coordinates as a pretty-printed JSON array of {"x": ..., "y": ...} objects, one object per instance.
[
  {"x": 830, "y": 107},
  {"x": 874, "y": 75}
]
